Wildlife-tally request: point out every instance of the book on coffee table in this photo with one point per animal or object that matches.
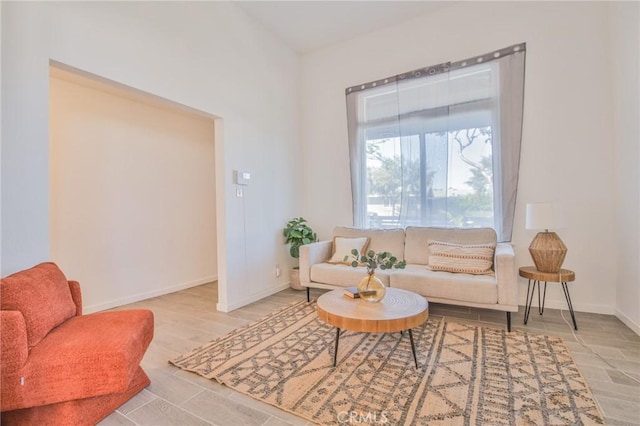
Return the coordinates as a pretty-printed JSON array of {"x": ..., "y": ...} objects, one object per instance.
[{"x": 353, "y": 293}]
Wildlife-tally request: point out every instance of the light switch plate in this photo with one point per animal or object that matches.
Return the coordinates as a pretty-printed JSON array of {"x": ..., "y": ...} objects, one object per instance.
[{"x": 243, "y": 177}]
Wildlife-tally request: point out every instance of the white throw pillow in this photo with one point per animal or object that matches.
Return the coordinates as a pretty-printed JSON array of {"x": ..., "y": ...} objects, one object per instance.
[
  {"x": 342, "y": 247},
  {"x": 463, "y": 258}
]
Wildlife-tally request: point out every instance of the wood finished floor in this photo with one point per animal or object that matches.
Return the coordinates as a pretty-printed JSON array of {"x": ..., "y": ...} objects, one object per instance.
[{"x": 609, "y": 360}]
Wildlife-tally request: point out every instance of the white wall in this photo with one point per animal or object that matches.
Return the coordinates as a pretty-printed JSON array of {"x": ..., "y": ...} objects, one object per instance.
[
  {"x": 207, "y": 55},
  {"x": 567, "y": 151},
  {"x": 132, "y": 193},
  {"x": 625, "y": 25}
]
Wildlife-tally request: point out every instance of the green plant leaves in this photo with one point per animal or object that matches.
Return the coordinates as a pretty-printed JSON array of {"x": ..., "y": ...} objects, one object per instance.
[
  {"x": 373, "y": 260},
  {"x": 298, "y": 233}
]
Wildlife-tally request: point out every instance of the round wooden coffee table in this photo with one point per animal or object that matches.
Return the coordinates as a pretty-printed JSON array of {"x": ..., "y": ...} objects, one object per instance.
[{"x": 400, "y": 310}]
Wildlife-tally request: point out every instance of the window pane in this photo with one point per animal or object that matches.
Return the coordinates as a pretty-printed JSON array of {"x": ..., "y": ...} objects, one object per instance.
[
  {"x": 437, "y": 146},
  {"x": 432, "y": 179},
  {"x": 384, "y": 182},
  {"x": 423, "y": 145},
  {"x": 470, "y": 178}
]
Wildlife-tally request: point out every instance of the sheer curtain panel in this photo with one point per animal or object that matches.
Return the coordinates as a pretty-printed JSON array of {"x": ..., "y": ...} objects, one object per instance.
[{"x": 439, "y": 146}]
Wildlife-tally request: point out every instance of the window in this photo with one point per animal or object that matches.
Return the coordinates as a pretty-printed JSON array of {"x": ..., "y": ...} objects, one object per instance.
[{"x": 439, "y": 146}]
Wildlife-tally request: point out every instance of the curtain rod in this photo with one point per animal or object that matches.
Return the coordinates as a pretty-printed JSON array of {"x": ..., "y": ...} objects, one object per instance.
[{"x": 440, "y": 68}]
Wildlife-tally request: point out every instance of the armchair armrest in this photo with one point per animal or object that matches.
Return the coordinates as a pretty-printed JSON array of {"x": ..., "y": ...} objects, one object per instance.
[
  {"x": 313, "y": 253},
  {"x": 13, "y": 347},
  {"x": 505, "y": 268},
  {"x": 76, "y": 295}
]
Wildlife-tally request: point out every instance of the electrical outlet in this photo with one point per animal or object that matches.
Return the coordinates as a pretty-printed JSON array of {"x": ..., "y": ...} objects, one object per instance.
[
  {"x": 239, "y": 192},
  {"x": 277, "y": 270}
]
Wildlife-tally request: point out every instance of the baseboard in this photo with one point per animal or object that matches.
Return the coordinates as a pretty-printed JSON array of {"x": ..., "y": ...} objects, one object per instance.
[
  {"x": 578, "y": 307},
  {"x": 146, "y": 295},
  {"x": 253, "y": 298},
  {"x": 628, "y": 321}
]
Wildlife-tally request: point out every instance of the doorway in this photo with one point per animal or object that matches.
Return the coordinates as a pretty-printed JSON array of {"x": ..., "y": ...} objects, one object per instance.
[{"x": 132, "y": 191}]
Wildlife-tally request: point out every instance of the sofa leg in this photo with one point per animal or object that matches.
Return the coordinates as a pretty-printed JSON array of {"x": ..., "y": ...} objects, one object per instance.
[
  {"x": 509, "y": 322},
  {"x": 308, "y": 297}
]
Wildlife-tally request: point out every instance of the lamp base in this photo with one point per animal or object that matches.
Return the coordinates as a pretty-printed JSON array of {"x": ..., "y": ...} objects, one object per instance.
[{"x": 548, "y": 252}]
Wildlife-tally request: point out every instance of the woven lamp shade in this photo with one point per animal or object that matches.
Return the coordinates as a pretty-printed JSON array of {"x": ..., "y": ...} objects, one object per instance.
[
  {"x": 547, "y": 249},
  {"x": 548, "y": 252}
]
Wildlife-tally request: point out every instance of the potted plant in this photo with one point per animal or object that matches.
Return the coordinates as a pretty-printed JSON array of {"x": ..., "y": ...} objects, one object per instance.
[
  {"x": 370, "y": 287},
  {"x": 298, "y": 233}
]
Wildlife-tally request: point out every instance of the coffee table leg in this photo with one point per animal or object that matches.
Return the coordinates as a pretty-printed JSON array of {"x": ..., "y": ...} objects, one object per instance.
[
  {"x": 413, "y": 348},
  {"x": 335, "y": 353}
]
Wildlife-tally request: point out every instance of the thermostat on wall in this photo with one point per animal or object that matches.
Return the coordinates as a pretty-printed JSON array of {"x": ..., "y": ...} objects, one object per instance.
[{"x": 243, "y": 178}]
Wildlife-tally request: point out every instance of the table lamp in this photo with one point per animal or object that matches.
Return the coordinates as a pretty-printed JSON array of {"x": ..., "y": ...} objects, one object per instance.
[{"x": 547, "y": 249}]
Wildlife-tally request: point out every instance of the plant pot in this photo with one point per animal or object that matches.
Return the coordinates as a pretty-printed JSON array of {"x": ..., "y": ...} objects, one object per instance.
[
  {"x": 371, "y": 289},
  {"x": 295, "y": 279}
]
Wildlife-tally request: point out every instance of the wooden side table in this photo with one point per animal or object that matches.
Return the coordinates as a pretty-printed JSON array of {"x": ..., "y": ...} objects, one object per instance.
[{"x": 563, "y": 277}]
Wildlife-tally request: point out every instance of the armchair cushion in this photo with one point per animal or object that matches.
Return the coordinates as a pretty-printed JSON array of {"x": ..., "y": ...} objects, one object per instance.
[
  {"x": 42, "y": 295},
  {"x": 13, "y": 344},
  {"x": 87, "y": 356}
]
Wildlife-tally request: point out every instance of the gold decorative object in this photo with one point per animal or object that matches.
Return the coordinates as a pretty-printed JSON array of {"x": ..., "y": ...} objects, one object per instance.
[{"x": 371, "y": 289}]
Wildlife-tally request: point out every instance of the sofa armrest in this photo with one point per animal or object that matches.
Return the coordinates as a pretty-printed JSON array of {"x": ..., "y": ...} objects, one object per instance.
[
  {"x": 13, "y": 345},
  {"x": 505, "y": 268},
  {"x": 76, "y": 295},
  {"x": 313, "y": 253}
]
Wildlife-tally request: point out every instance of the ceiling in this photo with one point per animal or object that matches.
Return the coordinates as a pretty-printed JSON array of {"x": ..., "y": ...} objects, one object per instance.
[{"x": 309, "y": 25}]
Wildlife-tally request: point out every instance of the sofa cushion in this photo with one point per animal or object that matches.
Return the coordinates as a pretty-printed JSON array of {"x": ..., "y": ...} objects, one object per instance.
[
  {"x": 416, "y": 249},
  {"x": 391, "y": 240},
  {"x": 474, "y": 259},
  {"x": 89, "y": 355},
  {"x": 42, "y": 295},
  {"x": 343, "y": 275},
  {"x": 342, "y": 247},
  {"x": 446, "y": 285}
]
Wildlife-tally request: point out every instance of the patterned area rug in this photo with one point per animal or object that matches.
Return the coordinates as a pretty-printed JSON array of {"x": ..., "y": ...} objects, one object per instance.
[{"x": 466, "y": 375}]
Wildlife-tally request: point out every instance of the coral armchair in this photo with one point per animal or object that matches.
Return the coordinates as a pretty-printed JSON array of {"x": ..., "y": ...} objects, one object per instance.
[{"x": 59, "y": 366}]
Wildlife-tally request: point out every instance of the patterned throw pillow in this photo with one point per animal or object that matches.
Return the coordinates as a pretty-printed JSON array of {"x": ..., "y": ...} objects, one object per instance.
[
  {"x": 474, "y": 259},
  {"x": 342, "y": 247}
]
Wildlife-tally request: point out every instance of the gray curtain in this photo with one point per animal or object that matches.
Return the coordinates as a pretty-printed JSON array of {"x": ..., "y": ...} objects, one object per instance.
[
  {"x": 416, "y": 120},
  {"x": 507, "y": 160}
]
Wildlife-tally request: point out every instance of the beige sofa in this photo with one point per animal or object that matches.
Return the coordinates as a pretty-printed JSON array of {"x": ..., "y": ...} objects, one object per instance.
[{"x": 497, "y": 290}]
